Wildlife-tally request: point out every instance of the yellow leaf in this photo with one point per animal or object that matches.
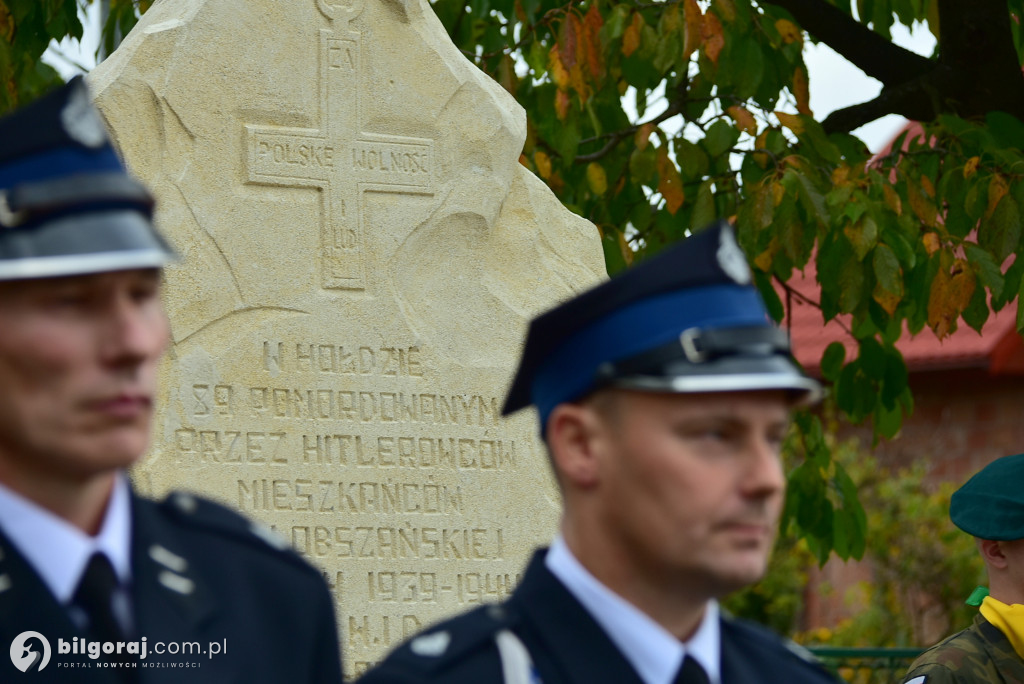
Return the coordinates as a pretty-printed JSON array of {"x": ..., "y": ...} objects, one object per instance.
[
  {"x": 559, "y": 74},
  {"x": 919, "y": 202},
  {"x": 561, "y": 104},
  {"x": 597, "y": 179},
  {"x": 789, "y": 31},
  {"x": 670, "y": 19},
  {"x": 743, "y": 118},
  {"x": 931, "y": 242},
  {"x": 971, "y": 166},
  {"x": 631, "y": 38},
  {"x": 627, "y": 252},
  {"x": 926, "y": 185},
  {"x": 643, "y": 135},
  {"x": 711, "y": 33},
  {"x": 543, "y": 162},
  {"x": 760, "y": 143},
  {"x": 694, "y": 20},
  {"x": 6, "y": 23},
  {"x": 670, "y": 184},
  {"x": 791, "y": 121},
  {"x": 801, "y": 92},
  {"x": 840, "y": 174},
  {"x": 778, "y": 193},
  {"x": 892, "y": 199},
  {"x": 763, "y": 261},
  {"x": 887, "y": 300},
  {"x": 997, "y": 190},
  {"x": 726, "y": 9},
  {"x": 950, "y": 294}
]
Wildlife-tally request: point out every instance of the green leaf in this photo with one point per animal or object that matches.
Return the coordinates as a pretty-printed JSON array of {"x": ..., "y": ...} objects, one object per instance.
[
  {"x": 749, "y": 63},
  {"x": 851, "y": 283},
  {"x": 863, "y": 235},
  {"x": 643, "y": 164},
  {"x": 704, "y": 209},
  {"x": 986, "y": 269},
  {"x": 692, "y": 159},
  {"x": 887, "y": 421},
  {"x": 812, "y": 199},
  {"x": 1007, "y": 129},
  {"x": 887, "y": 269},
  {"x": 1020, "y": 307},
  {"x": 832, "y": 361},
  {"x": 977, "y": 310},
  {"x": 1001, "y": 233},
  {"x": 769, "y": 295},
  {"x": 721, "y": 138}
]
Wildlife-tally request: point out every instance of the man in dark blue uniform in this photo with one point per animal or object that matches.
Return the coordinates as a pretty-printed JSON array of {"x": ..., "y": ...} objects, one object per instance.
[
  {"x": 98, "y": 584},
  {"x": 664, "y": 396}
]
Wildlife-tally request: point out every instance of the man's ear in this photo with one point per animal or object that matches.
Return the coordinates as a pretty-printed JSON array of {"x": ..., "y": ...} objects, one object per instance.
[
  {"x": 571, "y": 433},
  {"x": 992, "y": 552}
]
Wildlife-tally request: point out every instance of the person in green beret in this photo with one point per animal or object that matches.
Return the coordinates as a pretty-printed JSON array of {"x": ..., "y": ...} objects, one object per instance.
[{"x": 990, "y": 507}]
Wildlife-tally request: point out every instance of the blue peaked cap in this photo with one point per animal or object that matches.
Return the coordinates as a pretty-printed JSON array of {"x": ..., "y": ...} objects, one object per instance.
[
  {"x": 67, "y": 204},
  {"x": 687, "y": 320}
]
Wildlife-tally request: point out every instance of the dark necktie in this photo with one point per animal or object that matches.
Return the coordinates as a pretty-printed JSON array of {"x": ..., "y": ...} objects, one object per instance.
[
  {"x": 691, "y": 673},
  {"x": 95, "y": 596}
]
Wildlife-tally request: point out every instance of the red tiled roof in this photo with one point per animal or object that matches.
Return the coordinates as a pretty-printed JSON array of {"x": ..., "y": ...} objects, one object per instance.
[{"x": 998, "y": 348}]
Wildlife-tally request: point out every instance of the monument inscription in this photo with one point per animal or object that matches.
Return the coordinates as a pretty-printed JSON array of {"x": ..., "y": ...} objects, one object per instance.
[{"x": 361, "y": 252}]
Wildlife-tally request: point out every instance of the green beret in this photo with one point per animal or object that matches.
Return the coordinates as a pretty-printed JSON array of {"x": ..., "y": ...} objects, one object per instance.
[{"x": 991, "y": 504}]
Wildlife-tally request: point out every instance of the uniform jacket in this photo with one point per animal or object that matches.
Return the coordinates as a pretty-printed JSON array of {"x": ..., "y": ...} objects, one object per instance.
[
  {"x": 980, "y": 653},
  {"x": 200, "y": 573},
  {"x": 567, "y": 646}
]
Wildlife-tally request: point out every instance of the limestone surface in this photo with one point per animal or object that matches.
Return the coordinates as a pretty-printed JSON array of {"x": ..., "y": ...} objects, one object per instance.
[{"x": 361, "y": 251}]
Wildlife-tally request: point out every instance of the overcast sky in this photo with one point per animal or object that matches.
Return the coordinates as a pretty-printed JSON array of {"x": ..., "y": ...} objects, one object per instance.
[{"x": 835, "y": 83}]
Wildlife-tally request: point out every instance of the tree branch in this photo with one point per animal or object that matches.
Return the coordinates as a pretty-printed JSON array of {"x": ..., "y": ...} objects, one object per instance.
[
  {"x": 618, "y": 136},
  {"x": 870, "y": 52}
]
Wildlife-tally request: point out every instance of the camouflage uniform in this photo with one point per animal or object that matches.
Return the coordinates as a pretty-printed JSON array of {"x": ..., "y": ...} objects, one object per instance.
[{"x": 980, "y": 653}]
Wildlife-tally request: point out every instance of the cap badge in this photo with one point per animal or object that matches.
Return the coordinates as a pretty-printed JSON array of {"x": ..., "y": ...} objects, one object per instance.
[
  {"x": 731, "y": 258},
  {"x": 81, "y": 121}
]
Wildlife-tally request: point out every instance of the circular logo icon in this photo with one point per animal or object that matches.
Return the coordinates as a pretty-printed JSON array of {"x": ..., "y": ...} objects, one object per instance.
[{"x": 26, "y": 653}]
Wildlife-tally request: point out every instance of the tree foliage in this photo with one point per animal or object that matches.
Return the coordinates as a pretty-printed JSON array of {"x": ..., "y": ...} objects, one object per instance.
[
  {"x": 653, "y": 117},
  {"x": 28, "y": 26}
]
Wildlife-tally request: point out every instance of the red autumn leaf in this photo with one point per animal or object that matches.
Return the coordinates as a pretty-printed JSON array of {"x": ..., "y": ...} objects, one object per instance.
[
  {"x": 711, "y": 33},
  {"x": 568, "y": 39},
  {"x": 631, "y": 38},
  {"x": 670, "y": 184},
  {"x": 592, "y": 23},
  {"x": 693, "y": 30}
]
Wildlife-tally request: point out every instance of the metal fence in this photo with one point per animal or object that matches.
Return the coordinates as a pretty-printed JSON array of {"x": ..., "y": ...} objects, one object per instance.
[{"x": 867, "y": 665}]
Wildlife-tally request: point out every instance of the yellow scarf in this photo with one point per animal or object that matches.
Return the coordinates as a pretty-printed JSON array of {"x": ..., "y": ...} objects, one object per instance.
[{"x": 1009, "y": 620}]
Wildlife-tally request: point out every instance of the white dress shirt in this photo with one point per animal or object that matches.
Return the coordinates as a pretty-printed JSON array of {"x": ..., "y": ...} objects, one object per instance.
[
  {"x": 57, "y": 550},
  {"x": 653, "y": 652}
]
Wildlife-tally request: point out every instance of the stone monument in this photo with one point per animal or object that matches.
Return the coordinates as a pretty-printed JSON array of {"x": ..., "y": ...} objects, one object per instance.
[{"x": 361, "y": 252}]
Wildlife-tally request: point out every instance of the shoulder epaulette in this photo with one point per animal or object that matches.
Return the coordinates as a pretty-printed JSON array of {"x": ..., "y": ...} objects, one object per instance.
[
  {"x": 450, "y": 642},
  {"x": 195, "y": 511}
]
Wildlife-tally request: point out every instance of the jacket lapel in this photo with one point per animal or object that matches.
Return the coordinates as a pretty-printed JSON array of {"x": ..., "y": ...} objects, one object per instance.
[
  {"x": 737, "y": 667},
  {"x": 26, "y": 604},
  {"x": 561, "y": 635}
]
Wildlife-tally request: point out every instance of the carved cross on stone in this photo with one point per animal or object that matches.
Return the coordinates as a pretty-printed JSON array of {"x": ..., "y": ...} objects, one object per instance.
[{"x": 337, "y": 158}]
